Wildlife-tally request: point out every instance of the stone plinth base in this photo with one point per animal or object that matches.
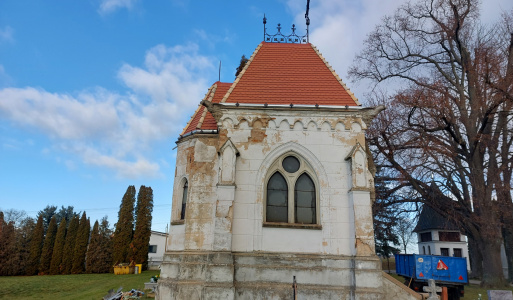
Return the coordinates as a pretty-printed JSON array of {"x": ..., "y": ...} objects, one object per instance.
[{"x": 225, "y": 275}]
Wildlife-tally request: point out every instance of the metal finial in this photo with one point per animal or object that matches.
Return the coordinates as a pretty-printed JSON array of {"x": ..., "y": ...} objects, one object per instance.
[
  {"x": 265, "y": 30},
  {"x": 279, "y": 37},
  {"x": 307, "y": 20}
]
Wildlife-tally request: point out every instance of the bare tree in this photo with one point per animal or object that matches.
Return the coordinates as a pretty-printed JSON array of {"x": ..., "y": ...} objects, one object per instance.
[
  {"x": 405, "y": 227},
  {"x": 450, "y": 117}
]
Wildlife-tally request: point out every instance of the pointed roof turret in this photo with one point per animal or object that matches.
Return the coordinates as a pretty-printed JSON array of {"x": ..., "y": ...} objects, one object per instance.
[{"x": 430, "y": 219}]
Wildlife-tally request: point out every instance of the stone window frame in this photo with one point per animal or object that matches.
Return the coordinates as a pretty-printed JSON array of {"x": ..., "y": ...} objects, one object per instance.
[
  {"x": 291, "y": 178},
  {"x": 179, "y": 200}
]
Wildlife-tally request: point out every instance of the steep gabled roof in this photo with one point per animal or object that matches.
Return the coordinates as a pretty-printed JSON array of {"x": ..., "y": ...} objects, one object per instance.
[
  {"x": 278, "y": 74},
  {"x": 429, "y": 219}
]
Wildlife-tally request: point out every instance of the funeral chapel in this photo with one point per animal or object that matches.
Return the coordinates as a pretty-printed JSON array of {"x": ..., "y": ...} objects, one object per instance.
[{"x": 273, "y": 187}]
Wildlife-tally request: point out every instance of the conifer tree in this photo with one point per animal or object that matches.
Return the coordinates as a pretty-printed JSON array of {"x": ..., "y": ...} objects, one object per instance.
[
  {"x": 10, "y": 265},
  {"x": 47, "y": 251},
  {"x": 36, "y": 246},
  {"x": 47, "y": 213},
  {"x": 243, "y": 61},
  {"x": 60, "y": 239},
  {"x": 2, "y": 222},
  {"x": 99, "y": 252},
  {"x": 142, "y": 233},
  {"x": 94, "y": 244},
  {"x": 3, "y": 240},
  {"x": 105, "y": 256},
  {"x": 124, "y": 228},
  {"x": 7, "y": 247},
  {"x": 23, "y": 232},
  {"x": 80, "y": 249},
  {"x": 69, "y": 246}
]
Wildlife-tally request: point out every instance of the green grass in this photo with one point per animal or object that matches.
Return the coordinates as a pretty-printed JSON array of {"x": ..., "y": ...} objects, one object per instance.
[
  {"x": 472, "y": 291},
  {"x": 84, "y": 286}
]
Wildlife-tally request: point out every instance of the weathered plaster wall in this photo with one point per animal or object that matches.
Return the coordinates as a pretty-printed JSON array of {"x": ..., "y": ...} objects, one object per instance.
[
  {"x": 324, "y": 139},
  {"x": 224, "y": 249},
  {"x": 197, "y": 162},
  {"x": 396, "y": 290}
]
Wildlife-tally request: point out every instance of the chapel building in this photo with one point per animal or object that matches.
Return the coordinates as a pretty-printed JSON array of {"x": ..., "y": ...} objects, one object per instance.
[{"x": 273, "y": 186}]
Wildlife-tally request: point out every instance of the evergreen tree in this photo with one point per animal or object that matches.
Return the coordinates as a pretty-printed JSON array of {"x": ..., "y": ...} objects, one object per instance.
[
  {"x": 124, "y": 227},
  {"x": 47, "y": 213},
  {"x": 2, "y": 223},
  {"x": 94, "y": 244},
  {"x": 105, "y": 255},
  {"x": 60, "y": 239},
  {"x": 36, "y": 245},
  {"x": 69, "y": 246},
  {"x": 7, "y": 247},
  {"x": 80, "y": 249},
  {"x": 99, "y": 252},
  {"x": 66, "y": 213},
  {"x": 23, "y": 234},
  {"x": 242, "y": 64},
  {"x": 142, "y": 232},
  {"x": 46, "y": 253}
]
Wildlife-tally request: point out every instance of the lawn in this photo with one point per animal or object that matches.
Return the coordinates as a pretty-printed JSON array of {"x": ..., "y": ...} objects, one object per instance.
[
  {"x": 472, "y": 291},
  {"x": 84, "y": 286}
]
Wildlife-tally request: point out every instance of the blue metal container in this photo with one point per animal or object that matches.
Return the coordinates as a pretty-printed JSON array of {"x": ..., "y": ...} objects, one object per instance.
[{"x": 443, "y": 269}]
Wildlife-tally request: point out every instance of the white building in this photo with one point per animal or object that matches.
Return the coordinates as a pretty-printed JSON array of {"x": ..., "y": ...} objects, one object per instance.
[
  {"x": 156, "y": 249},
  {"x": 273, "y": 183},
  {"x": 438, "y": 236}
]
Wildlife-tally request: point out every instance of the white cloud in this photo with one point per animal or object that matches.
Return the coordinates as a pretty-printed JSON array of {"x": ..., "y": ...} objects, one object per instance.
[
  {"x": 109, "y": 6},
  {"x": 6, "y": 34},
  {"x": 339, "y": 27},
  {"x": 5, "y": 79},
  {"x": 112, "y": 130}
]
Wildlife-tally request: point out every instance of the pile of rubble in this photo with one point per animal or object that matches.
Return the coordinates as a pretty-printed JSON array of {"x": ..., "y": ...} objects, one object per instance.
[{"x": 120, "y": 295}]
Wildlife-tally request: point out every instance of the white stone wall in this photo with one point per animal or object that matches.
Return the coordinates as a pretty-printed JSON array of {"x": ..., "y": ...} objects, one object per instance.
[
  {"x": 324, "y": 139},
  {"x": 224, "y": 249},
  {"x": 158, "y": 239},
  {"x": 331, "y": 142}
]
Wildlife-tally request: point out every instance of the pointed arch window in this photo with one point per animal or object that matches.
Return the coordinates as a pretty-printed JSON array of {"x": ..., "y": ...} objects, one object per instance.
[
  {"x": 184, "y": 199},
  {"x": 304, "y": 200},
  {"x": 291, "y": 193},
  {"x": 277, "y": 199}
]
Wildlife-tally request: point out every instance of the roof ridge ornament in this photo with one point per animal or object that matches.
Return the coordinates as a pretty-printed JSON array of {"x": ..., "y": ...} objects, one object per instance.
[{"x": 292, "y": 38}]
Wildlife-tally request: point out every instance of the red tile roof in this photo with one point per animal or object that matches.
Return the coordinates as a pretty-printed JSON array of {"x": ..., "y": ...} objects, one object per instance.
[
  {"x": 278, "y": 74},
  {"x": 202, "y": 119}
]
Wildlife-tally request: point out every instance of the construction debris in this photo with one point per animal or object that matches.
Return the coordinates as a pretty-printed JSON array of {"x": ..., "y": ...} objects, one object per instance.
[{"x": 119, "y": 295}]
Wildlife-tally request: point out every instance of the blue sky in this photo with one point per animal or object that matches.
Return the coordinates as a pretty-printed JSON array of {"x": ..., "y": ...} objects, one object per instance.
[{"x": 93, "y": 94}]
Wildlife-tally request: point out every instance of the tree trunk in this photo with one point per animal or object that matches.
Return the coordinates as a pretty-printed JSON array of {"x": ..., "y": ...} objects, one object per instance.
[
  {"x": 476, "y": 259},
  {"x": 508, "y": 247},
  {"x": 490, "y": 246}
]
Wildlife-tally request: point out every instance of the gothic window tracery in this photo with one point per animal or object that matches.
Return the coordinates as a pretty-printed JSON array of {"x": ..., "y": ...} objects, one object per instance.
[{"x": 291, "y": 193}]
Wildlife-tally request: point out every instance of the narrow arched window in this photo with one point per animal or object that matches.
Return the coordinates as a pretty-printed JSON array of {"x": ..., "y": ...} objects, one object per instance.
[
  {"x": 423, "y": 249},
  {"x": 277, "y": 199},
  {"x": 304, "y": 200},
  {"x": 184, "y": 200},
  {"x": 429, "y": 249}
]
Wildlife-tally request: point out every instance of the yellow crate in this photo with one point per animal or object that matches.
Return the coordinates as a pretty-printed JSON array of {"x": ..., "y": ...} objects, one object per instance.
[{"x": 122, "y": 270}]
